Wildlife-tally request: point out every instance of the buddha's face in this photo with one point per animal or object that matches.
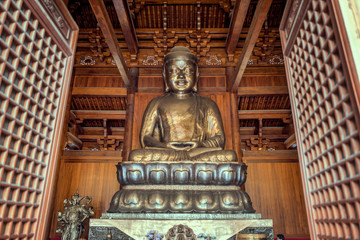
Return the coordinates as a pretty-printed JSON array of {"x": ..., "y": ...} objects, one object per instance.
[{"x": 181, "y": 75}]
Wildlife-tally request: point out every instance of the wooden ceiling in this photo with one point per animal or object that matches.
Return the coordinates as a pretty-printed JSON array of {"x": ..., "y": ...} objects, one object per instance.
[{"x": 180, "y": 14}]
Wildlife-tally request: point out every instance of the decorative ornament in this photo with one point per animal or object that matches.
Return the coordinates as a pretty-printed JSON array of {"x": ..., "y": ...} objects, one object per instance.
[
  {"x": 213, "y": 60},
  {"x": 150, "y": 61},
  {"x": 251, "y": 61},
  {"x": 276, "y": 59},
  {"x": 87, "y": 60},
  {"x": 180, "y": 232}
]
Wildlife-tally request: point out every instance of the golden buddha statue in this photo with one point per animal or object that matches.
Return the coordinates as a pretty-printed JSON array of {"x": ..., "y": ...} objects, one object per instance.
[{"x": 181, "y": 125}]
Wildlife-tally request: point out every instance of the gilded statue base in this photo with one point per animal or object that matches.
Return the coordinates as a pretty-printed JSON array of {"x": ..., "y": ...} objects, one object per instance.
[
  {"x": 137, "y": 226},
  {"x": 178, "y": 187},
  {"x": 181, "y": 173},
  {"x": 177, "y": 198}
]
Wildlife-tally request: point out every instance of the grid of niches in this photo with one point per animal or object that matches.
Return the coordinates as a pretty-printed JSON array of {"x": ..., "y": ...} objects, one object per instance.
[
  {"x": 330, "y": 139},
  {"x": 31, "y": 73}
]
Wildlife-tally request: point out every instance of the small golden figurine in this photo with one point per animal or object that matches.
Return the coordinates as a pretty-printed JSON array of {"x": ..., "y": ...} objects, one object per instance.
[
  {"x": 181, "y": 125},
  {"x": 72, "y": 217}
]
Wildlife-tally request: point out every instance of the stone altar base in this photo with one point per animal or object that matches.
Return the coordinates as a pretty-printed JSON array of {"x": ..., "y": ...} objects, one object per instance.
[{"x": 126, "y": 226}]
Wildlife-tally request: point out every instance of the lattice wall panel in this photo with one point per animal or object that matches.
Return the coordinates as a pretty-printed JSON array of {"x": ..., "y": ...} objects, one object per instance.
[
  {"x": 31, "y": 78},
  {"x": 326, "y": 123}
]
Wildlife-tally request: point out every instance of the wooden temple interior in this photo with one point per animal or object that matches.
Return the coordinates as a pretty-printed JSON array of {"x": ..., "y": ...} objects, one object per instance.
[{"x": 252, "y": 63}]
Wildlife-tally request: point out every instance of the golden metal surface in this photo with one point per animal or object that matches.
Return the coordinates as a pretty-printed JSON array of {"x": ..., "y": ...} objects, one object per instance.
[{"x": 181, "y": 125}]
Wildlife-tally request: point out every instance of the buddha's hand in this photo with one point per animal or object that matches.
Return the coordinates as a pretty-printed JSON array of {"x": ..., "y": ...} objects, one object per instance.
[{"x": 182, "y": 146}]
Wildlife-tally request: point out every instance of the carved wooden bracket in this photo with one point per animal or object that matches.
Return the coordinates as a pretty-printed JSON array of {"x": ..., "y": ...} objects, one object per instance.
[
  {"x": 258, "y": 144},
  {"x": 98, "y": 46},
  {"x": 164, "y": 40},
  {"x": 198, "y": 41},
  {"x": 108, "y": 143},
  {"x": 264, "y": 46}
]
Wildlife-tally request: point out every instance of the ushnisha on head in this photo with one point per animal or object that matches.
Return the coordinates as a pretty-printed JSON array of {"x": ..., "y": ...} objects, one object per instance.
[{"x": 180, "y": 71}]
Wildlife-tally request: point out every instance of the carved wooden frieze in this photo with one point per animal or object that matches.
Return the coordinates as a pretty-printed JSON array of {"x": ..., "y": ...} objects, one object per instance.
[{"x": 54, "y": 12}]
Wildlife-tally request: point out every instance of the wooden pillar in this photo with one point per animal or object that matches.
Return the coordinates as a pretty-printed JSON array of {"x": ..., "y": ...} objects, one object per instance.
[
  {"x": 234, "y": 116},
  {"x": 128, "y": 125}
]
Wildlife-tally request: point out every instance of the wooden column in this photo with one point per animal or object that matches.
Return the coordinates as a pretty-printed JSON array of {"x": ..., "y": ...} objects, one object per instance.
[
  {"x": 234, "y": 117},
  {"x": 128, "y": 126}
]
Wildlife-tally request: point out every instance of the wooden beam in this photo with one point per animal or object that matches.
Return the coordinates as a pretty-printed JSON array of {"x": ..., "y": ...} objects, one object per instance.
[
  {"x": 264, "y": 114},
  {"x": 100, "y": 130},
  {"x": 107, "y": 29},
  {"x": 91, "y": 156},
  {"x": 127, "y": 25},
  {"x": 264, "y": 71},
  {"x": 99, "y": 91},
  {"x": 290, "y": 141},
  {"x": 259, "y": 17},
  {"x": 268, "y": 90},
  {"x": 270, "y": 156},
  {"x": 73, "y": 142},
  {"x": 90, "y": 137},
  {"x": 99, "y": 114},
  {"x": 236, "y": 25},
  {"x": 271, "y": 137}
]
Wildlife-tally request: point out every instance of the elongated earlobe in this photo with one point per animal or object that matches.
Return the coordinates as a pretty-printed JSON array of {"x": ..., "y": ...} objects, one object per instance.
[
  {"x": 167, "y": 89},
  {"x": 195, "y": 88}
]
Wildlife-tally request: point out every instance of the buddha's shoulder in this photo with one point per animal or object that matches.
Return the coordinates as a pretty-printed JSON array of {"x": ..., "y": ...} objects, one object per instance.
[
  {"x": 157, "y": 100},
  {"x": 205, "y": 100}
]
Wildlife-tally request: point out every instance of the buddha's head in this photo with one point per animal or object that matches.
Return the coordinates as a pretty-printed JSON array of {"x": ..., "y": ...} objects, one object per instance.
[{"x": 180, "y": 71}]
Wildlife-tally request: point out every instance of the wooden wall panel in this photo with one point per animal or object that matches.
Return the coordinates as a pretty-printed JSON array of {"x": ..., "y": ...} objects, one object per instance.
[
  {"x": 274, "y": 185},
  {"x": 98, "y": 81},
  {"x": 155, "y": 83},
  {"x": 217, "y": 82},
  {"x": 91, "y": 175},
  {"x": 257, "y": 81}
]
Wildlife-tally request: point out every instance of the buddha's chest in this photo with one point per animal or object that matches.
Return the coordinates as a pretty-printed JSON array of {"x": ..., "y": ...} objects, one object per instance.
[
  {"x": 178, "y": 117},
  {"x": 179, "y": 109}
]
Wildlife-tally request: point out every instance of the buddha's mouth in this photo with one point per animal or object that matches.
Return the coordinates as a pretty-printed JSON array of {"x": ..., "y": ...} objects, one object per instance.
[{"x": 181, "y": 82}]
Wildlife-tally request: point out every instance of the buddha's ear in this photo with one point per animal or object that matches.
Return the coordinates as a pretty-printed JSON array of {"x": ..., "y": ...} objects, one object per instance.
[
  {"x": 197, "y": 79},
  {"x": 167, "y": 89}
]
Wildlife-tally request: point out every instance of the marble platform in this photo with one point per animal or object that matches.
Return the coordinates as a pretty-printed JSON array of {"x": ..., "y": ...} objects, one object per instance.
[{"x": 135, "y": 226}]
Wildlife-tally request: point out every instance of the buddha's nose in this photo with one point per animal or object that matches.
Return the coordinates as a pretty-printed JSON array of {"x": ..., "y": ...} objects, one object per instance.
[{"x": 181, "y": 75}]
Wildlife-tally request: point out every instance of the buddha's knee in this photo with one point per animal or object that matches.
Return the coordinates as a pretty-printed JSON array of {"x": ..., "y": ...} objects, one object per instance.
[
  {"x": 136, "y": 155},
  {"x": 148, "y": 155},
  {"x": 225, "y": 156},
  {"x": 217, "y": 156},
  {"x": 230, "y": 155}
]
